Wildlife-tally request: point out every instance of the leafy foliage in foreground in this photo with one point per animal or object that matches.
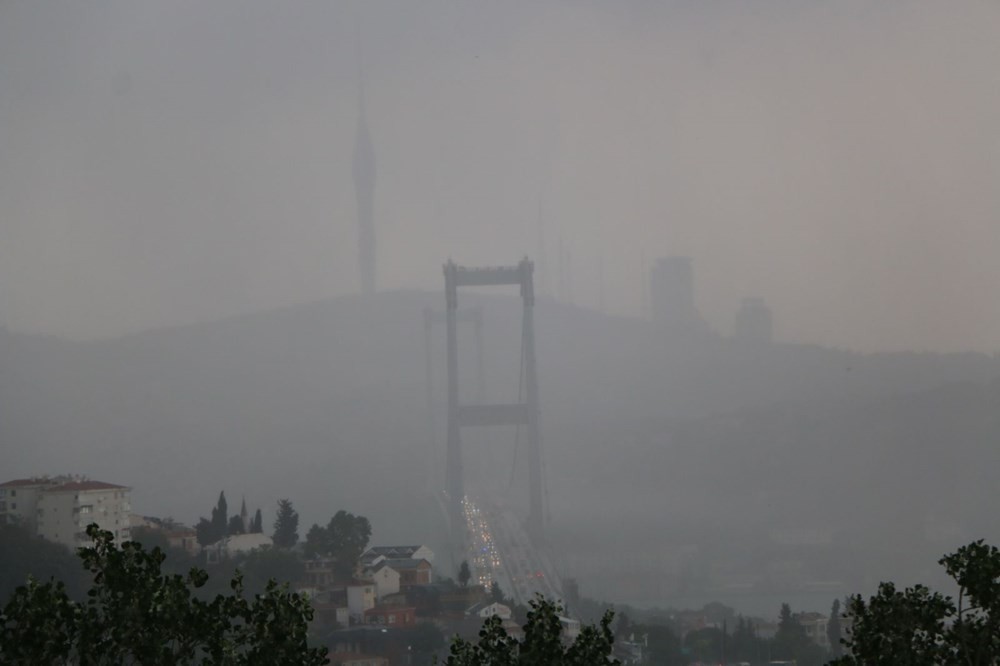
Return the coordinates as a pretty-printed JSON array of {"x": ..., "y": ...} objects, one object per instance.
[
  {"x": 919, "y": 626},
  {"x": 542, "y": 644},
  {"x": 136, "y": 614}
]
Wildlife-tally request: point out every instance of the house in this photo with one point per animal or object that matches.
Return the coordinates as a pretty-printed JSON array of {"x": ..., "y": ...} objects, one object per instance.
[
  {"x": 319, "y": 571},
  {"x": 392, "y": 616},
  {"x": 237, "y": 544},
  {"x": 360, "y": 597},
  {"x": 631, "y": 651},
  {"x": 386, "y": 580},
  {"x": 178, "y": 536},
  {"x": 330, "y": 609},
  {"x": 570, "y": 628},
  {"x": 815, "y": 627},
  {"x": 411, "y": 571},
  {"x": 60, "y": 508},
  {"x": 489, "y": 608},
  {"x": 183, "y": 538},
  {"x": 374, "y": 554}
]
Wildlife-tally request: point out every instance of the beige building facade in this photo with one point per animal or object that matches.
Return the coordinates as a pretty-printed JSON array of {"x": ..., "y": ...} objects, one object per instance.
[{"x": 59, "y": 509}]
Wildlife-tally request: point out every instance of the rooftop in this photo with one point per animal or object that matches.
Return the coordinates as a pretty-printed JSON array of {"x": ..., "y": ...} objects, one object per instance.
[
  {"x": 87, "y": 485},
  {"x": 62, "y": 482}
]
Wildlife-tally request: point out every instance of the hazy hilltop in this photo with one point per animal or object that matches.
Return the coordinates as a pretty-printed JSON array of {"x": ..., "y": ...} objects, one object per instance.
[{"x": 650, "y": 436}]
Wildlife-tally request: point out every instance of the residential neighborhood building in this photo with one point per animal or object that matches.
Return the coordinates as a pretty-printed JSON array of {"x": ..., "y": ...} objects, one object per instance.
[
  {"x": 19, "y": 501},
  {"x": 815, "y": 626},
  {"x": 179, "y": 536},
  {"x": 60, "y": 508},
  {"x": 411, "y": 571},
  {"x": 386, "y": 580},
  {"x": 375, "y": 554},
  {"x": 319, "y": 571},
  {"x": 237, "y": 544},
  {"x": 394, "y": 616},
  {"x": 360, "y": 597},
  {"x": 485, "y": 609}
]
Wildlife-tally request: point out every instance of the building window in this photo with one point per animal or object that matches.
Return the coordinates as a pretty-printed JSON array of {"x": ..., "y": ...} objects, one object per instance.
[
  {"x": 13, "y": 493},
  {"x": 3, "y": 492},
  {"x": 13, "y": 506}
]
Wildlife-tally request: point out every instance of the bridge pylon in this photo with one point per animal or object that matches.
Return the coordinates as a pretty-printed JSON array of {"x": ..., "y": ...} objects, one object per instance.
[{"x": 524, "y": 413}]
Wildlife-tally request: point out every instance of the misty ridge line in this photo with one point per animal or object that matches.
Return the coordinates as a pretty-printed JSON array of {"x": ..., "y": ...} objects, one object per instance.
[{"x": 806, "y": 155}]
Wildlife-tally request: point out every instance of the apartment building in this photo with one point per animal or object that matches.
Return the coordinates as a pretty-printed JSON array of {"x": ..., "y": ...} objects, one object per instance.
[{"x": 60, "y": 508}]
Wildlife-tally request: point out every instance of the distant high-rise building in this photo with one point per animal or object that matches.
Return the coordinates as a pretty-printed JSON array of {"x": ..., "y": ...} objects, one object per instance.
[
  {"x": 753, "y": 322},
  {"x": 671, "y": 295}
]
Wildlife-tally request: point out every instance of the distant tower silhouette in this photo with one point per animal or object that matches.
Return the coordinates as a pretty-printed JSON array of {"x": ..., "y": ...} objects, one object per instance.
[
  {"x": 671, "y": 296},
  {"x": 753, "y": 322},
  {"x": 244, "y": 517},
  {"x": 364, "y": 189}
]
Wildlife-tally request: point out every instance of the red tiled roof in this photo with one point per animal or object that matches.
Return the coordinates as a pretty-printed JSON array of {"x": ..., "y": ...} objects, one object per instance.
[{"x": 87, "y": 485}]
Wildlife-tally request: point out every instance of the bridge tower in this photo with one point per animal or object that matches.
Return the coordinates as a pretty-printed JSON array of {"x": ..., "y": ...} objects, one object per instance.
[
  {"x": 474, "y": 316},
  {"x": 524, "y": 413}
]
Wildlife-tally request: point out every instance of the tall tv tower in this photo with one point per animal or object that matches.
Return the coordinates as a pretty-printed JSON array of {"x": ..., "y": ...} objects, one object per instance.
[{"x": 364, "y": 187}]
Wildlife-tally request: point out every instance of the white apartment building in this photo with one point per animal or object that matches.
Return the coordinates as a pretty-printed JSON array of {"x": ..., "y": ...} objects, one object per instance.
[
  {"x": 60, "y": 508},
  {"x": 19, "y": 501}
]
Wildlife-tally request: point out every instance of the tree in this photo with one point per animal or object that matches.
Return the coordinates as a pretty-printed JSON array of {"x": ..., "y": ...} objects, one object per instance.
[
  {"x": 496, "y": 594},
  {"x": 136, "y": 614},
  {"x": 211, "y": 530},
  {"x": 919, "y": 626},
  {"x": 542, "y": 644},
  {"x": 205, "y": 532},
  {"x": 624, "y": 627},
  {"x": 220, "y": 516},
  {"x": 268, "y": 564},
  {"x": 790, "y": 639},
  {"x": 286, "y": 525},
  {"x": 235, "y": 525},
  {"x": 743, "y": 645},
  {"x": 464, "y": 574},
  {"x": 833, "y": 630},
  {"x": 425, "y": 639},
  {"x": 23, "y": 553},
  {"x": 706, "y": 644},
  {"x": 257, "y": 524},
  {"x": 348, "y": 537},
  {"x": 664, "y": 645},
  {"x": 317, "y": 542},
  {"x": 177, "y": 560},
  {"x": 344, "y": 538}
]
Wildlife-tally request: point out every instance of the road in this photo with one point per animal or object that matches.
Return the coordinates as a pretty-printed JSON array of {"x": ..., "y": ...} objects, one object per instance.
[{"x": 498, "y": 549}]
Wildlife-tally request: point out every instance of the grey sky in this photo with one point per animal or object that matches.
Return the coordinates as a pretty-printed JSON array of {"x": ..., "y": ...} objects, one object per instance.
[{"x": 169, "y": 162}]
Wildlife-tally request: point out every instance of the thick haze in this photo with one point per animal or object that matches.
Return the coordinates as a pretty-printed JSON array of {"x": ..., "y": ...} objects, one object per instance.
[{"x": 171, "y": 162}]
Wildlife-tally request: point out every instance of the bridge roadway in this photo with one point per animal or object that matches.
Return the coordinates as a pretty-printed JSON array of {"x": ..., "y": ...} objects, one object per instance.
[{"x": 498, "y": 549}]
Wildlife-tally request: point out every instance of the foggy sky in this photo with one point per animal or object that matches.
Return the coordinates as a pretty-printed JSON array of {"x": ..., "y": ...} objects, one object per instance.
[{"x": 171, "y": 162}]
